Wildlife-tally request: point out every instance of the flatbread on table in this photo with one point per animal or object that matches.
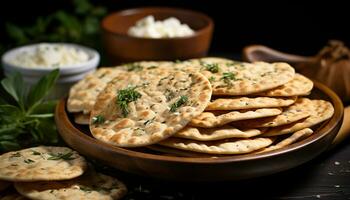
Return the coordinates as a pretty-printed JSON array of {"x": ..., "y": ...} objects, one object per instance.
[
  {"x": 243, "y": 103},
  {"x": 167, "y": 101},
  {"x": 207, "y": 134},
  {"x": 239, "y": 78},
  {"x": 94, "y": 186},
  {"x": 320, "y": 110},
  {"x": 216, "y": 119},
  {"x": 82, "y": 95},
  {"x": 227, "y": 146},
  {"x": 299, "y": 86},
  {"x": 41, "y": 164},
  {"x": 301, "y": 134},
  {"x": 290, "y": 115}
]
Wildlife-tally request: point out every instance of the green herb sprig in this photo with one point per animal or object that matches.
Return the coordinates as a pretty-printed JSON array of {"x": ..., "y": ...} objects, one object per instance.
[
  {"x": 63, "y": 156},
  {"x": 183, "y": 99},
  {"x": 212, "y": 67},
  {"x": 227, "y": 77},
  {"x": 26, "y": 119},
  {"x": 124, "y": 97}
]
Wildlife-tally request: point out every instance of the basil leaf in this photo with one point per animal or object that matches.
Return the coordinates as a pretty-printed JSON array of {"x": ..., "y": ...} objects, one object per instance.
[
  {"x": 41, "y": 89},
  {"x": 45, "y": 107},
  {"x": 14, "y": 86}
]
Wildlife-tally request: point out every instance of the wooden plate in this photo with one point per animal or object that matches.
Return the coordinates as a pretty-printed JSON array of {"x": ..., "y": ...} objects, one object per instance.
[{"x": 146, "y": 162}]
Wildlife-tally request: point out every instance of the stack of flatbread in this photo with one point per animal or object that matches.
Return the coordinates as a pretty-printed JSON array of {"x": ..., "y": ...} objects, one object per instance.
[
  {"x": 205, "y": 106},
  {"x": 55, "y": 173}
]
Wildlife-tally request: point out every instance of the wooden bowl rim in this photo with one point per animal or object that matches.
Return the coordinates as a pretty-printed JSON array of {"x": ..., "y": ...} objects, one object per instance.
[
  {"x": 207, "y": 28},
  {"x": 321, "y": 132}
]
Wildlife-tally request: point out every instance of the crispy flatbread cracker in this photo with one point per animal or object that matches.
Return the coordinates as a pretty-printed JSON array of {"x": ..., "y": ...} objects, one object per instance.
[
  {"x": 320, "y": 110},
  {"x": 164, "y": 101},
  {"x": 243, "y": 103},
  {"x": 227, "y": 146},
  {"x": 216, "y": 119},
  {"x": 94, "y": 186},
  {"x": 41, "y": 164},
  {"x": 290, "y": 115},
  {"x": 299, "y": 86},
  {"x": 299, "y": 135},
  {"x": 208, "y": 134},
  {"x": 82, "y": 95},
  {"x": 81, "y": 118},
  {"x": 239, "y": 78}
]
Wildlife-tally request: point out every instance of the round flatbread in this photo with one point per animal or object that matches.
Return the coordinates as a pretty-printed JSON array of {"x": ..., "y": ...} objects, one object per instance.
[
  {"x": 228, "y": 146},
  {"x": 229, "y": 77},
  {"x": 93, "y": 186},
  {"x": 144, "y": 108},
  {"x": 41, "y": 164}
]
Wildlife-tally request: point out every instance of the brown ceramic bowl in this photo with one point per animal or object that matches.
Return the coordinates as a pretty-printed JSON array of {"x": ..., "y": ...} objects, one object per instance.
[
  {"x": 121, "y": 47},
  {"x": 199, "y": 168}
]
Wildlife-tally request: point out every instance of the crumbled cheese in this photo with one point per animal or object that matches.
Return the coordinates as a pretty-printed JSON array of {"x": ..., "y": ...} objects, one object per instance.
[
  {"x": 50, "y": 56},
  {"x": 337, "y": 163},
  {"x": 171, "y": 27}
]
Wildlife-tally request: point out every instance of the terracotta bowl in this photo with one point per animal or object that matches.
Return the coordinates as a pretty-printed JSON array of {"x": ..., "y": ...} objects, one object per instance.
[
  {"x": 198, "y": 167},
  {"x": 121, "y": 47}
]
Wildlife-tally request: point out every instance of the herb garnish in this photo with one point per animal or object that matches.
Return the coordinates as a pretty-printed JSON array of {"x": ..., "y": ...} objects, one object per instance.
[
  {"x": 183, "y": 99},
  {"x": 149, "y": 121},
  {"x": 15, "y": 155},
  {"x": 26, "y": 119},
  {"x": 124, "y": 97},
  {"x": 211, "y": 79},
  {"x": 28, "y": 161},
  {"x": 212, "y": 67},
  {"x": 178, "y": 61},
  {"x": 98, "y": 119},
  {"x": 227, "y": 77},
  {"x": 134, "y": 67},
  {"x": 63, "y": 156}
]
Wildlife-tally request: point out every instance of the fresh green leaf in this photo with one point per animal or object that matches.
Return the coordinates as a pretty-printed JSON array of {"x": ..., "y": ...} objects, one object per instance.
[
  {"x": 9, "y": 145},
  {"x": 16, "y": 33},
  {"x": 41, "y": 89},
  {"x": 212, "y": 67},
  {"x": 98, "y": 119},
  {"x": 14, "y": 86}
]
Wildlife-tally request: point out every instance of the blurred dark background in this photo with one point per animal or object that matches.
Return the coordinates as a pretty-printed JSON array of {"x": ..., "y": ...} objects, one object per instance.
[{"x": 291, "y": 26}]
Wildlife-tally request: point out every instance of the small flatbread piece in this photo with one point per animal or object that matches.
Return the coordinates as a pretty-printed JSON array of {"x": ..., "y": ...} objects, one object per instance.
[
  {"x": 299, "y": 86},
  {"x": 94, "y": 186},
  {"x": 289, "y": 140},
  {"x": 208, "y": 134},
  {"x": 243, "y": 103},
  {"x": 320, "y": 110},
  {"x": 41, "y": 164},
  {"x": 81, "y": 118},
  {"x": 216, "y": 119},
  {"x": 228, "y": 146},
  {"x": 163, "y": 103}
]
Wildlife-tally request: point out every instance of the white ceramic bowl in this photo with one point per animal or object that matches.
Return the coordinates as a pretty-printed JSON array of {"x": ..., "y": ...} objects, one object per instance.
[{"x": 68, "y": 74}]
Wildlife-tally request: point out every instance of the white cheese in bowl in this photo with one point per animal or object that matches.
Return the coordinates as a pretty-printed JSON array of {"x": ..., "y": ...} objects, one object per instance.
[
  {"x": 50, "y": 56},
  {"x": 171, "y": 27}
]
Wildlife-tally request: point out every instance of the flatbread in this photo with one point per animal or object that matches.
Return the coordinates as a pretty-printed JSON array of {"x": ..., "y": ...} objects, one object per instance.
[
  {"x": 82, "y": 95},
  {"x": 94, "y": 186},
  {"x": 243, "y": 103},
  {"x": 216, "y": 119},
  {"x": 289, "y": 140},
  {"x": 41, "y": 164},
  {"x": 299, "y": 86},
  {"x": 81, "y": 118},
  {"x": 208, "y": 134},
  {"x": 291, "y": 114},
  {"x": 239, "y": 78},
  {"x": 320, "y": 110},
  {"x": 227, "y": 146},
  {"x": 167, "y": 101}
]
